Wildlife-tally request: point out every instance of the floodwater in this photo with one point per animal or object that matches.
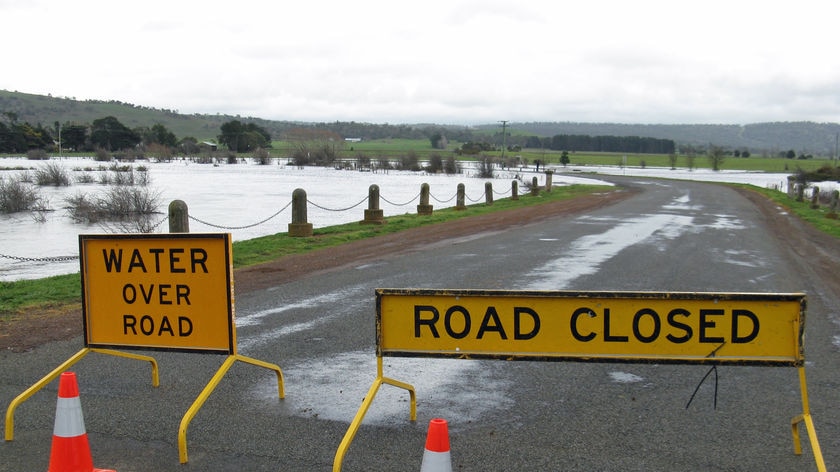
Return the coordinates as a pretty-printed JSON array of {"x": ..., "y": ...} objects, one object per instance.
[{"x": 246, "y": 199}]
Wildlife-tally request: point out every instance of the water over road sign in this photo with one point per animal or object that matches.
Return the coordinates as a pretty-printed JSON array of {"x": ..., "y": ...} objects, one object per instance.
[{"x": 158, "y": 291}]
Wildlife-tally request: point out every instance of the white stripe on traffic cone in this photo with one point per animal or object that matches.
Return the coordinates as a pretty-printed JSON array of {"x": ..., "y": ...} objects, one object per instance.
[
  {"x": 70, "y": 449},
  {"x": 436, "y": 457}
]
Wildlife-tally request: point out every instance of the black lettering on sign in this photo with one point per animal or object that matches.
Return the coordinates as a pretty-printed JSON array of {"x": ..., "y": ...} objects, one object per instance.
[
  {"x": 517, "y": 323},
  {"x": 672, "y": 321},
  {"x": 198, "y": 256},
  {"x": 706, "y": 324},
  {"x": 491, "y": 315},
  {"x": 637, "y": 320},
  {"x": 457, "y": 322},
  {"x": 185, "y": 326},
  {"x": 113, "y": 260},
  {"x": 419, "y": 320},
  {"x": 136, "y": 261},
  {"x": 148, "y": 327},
  {"x": 447, "y": 322},
  {"x": 736, "y": 338},
  {"x": 574, "y": 320},
  {"x": 157, "y": 252},
  {"x": 647, "y": 326},
  {"x": 164, "y": 296},
  {"x": 174, "y": 260},
  {"x": 610, "y": 338}
]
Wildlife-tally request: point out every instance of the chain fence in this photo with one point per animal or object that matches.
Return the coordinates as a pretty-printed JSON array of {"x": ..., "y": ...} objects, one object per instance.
[
  {"x": 156, "y": 226},
  {"x": 40, "y": 259}
]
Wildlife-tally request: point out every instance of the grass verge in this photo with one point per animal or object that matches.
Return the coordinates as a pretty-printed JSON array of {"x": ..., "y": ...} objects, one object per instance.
[
  {"x": 820, "y": 217},
  {"x": 66, "y": 289}
]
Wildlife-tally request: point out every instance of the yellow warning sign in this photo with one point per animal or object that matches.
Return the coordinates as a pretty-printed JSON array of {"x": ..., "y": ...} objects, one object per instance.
[
  {"x": 160, "y": 291},
  {"x": 684, "y": 327}
]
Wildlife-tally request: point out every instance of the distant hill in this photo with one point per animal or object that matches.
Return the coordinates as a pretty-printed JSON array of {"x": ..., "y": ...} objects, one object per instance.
[
  {"x": 46, "y": 110},
  {"x": 818, "y": 139}
]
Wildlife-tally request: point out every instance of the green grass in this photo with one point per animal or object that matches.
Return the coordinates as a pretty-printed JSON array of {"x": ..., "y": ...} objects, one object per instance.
[
  {"x": 394, "y": 148},
  {"x": 266, "y": 248},
  {"x": 59, "y": 289},
  {"x": 818, "y": 217},
  {"x": 66, "y": 289}
]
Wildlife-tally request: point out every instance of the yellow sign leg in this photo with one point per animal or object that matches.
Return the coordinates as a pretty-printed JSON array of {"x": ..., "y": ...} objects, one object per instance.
[
  {"x": 805, "y": 417},
  {"x": 10, "y": 413},
  {"x": 208, "y": 389},
  {"x": 360, "y": 415}
]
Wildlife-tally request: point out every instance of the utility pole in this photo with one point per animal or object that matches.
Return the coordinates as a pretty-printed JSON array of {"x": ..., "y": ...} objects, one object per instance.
[{"x": 504, "y": 137}]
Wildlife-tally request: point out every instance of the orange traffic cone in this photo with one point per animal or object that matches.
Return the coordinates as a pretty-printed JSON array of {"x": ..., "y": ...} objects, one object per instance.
[
  {"x": 70, "y": 449},
  {"x": 436, "y": 456}
]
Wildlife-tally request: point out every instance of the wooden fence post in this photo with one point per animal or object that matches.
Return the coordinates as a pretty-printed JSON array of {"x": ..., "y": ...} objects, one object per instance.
[
  {"x": 373, "y": 215},
  {"x": 460, "y": 199},
  {"x": 488, "y": 193},
  {"x": 424, "y": 208},
  {"x": 815, "y": 198},
  {"x": 299, "y": 227},
  {"x": 179, "y": 217}
]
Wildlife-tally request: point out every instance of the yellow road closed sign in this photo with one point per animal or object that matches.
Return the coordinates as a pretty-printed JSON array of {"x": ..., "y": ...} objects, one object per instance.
[
  {"x": 683, "y": 327},
  {"x": 158, "y": 291}
]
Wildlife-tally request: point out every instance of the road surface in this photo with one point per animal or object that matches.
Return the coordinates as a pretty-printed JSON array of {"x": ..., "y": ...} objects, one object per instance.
[{"x": 536, "y": 416}]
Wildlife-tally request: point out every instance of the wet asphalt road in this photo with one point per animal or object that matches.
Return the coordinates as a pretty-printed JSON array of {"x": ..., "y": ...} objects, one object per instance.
[{"x": 535, "y": 416}]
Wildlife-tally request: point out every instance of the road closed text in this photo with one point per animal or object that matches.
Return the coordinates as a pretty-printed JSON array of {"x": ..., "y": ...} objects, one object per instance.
[
  {"x": 570, "y": 325},
  {"x": 169, "y": 291}
]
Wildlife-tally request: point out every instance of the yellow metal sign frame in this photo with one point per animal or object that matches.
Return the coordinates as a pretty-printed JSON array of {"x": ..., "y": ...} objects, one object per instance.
[
  {"x": 156, "y": 271},
  {"x": 158, "y": 291},
  {"x": 673, "y": 327},
  {"x": 765, "y": 329}
]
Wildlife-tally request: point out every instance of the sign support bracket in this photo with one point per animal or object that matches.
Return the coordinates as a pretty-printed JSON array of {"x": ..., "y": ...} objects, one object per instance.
[
  {"x": 10, "y": 412},
  {"x": 806, "y": 418},
  {"x": 208, "y": 389},
  {"x": 360, "y": 415}
]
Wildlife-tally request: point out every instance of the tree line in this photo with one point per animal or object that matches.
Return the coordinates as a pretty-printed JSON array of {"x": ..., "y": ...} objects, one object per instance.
[{"x": 110, "y": 135}]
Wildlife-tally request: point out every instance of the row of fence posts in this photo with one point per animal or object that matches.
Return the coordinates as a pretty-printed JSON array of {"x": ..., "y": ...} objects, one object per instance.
[
  {"x": 179, "y": 218},
  {"x": 799, "y": 191}
]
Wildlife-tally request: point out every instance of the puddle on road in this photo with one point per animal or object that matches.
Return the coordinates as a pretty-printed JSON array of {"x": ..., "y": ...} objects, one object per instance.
[{"x": 334, "y": 388}]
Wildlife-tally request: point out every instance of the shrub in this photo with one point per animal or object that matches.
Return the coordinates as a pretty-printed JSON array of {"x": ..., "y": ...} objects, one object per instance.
[
  {"x": 485, "y": 168},
  {"x": 15, "y": 196},
  {"x": 451, "y": 166},
  {"x": 102, "y": 155},
  {"x": 410, "y": 161},
  {"x": 435, "y": 163},
  {"x": 262, "y": 156},
  {"x": 52, "y": 174},
  {"x": 85, "y": 178},
  {"x": 128, "y": 209},
  {"x": 36, "y": 155}
]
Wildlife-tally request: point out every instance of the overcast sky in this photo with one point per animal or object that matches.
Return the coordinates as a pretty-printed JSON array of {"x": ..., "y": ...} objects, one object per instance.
[{"x": 438, "y": 61}]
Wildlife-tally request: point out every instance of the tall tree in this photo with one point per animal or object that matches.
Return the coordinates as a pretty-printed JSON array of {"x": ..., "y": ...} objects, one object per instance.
[
  {"x": 108, "y": 133},
  {"x": 73, "y": 136},
  {"x": 239, "y": 137},
  {"x": 158, "y": 134},
  {"x": 716, "y": 156}
]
